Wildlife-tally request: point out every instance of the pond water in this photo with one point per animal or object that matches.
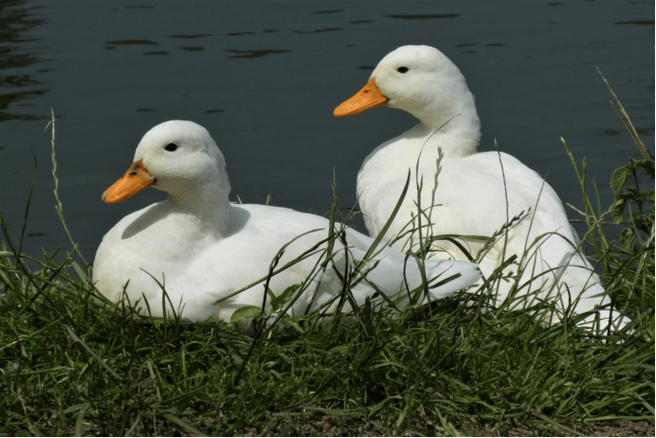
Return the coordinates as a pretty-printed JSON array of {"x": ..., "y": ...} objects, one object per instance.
[{"x": 264, "y": 77}]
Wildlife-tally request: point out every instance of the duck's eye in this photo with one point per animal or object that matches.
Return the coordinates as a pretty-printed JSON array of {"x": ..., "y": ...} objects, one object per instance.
[
  {"x": 402, "y": 69},
  {"x": 171, "y": 147}
]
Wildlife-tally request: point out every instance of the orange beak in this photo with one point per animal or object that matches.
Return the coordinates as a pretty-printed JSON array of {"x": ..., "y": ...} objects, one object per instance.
[
  {"x": 368, "y": 97},
  {"x": 136, "y": 178}
]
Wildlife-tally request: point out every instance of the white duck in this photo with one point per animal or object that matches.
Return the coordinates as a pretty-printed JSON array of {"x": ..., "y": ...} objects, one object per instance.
[
  {"x": 201, "y": 249},
  {"x": 474, "y": 194}
]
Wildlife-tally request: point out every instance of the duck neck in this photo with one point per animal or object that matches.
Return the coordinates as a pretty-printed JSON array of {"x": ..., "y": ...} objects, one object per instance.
[
  {"x": 456, "y": 139},
  {"x": 449, "y": 119},
  {"x": 209, "y": 210}
]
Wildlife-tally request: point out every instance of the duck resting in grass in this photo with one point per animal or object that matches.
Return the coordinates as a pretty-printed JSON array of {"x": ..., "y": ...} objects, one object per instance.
[
  {"x": 200, "y": 248},
  {"x": 465, "y": 193}
]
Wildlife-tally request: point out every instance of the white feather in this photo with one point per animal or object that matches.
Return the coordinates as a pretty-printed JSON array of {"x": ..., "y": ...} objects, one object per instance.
[
  {"x": 202, "y": 249},
  {"x": 476, "y": 193}
]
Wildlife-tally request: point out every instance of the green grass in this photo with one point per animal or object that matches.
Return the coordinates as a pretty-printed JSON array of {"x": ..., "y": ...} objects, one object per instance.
[{"x": 72, "y": 364}]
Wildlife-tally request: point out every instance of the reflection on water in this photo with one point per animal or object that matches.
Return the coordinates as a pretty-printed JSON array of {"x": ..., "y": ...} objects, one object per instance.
[
  {"x": 131, "y": 43},
  {"x": 190, "y": 37},
  {"x": 254, "y": 53},
  {"x": 16, "y": 20},
  {"x": 639, "y": 22},
  {"x": 332, "y": 11},
  {"x": 326, "y": 29},
  {"x": 421, "y": 16}
]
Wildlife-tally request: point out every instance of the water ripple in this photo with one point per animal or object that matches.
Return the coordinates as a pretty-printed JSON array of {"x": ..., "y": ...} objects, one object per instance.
[{"x": 254, "y": 53}]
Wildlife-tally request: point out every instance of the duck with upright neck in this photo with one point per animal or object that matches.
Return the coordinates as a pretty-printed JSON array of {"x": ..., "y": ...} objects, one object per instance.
[
  {"x": 457, "y": 191},
  {"x": 199, "y": 256}
]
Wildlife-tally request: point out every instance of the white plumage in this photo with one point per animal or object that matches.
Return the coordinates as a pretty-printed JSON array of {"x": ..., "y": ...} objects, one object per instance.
[
  {"x": 476, "y": 194},
  {"x": 201, "y": 248}
]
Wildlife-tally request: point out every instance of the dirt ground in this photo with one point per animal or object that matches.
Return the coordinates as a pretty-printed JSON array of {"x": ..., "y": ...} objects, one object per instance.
[{"x": 351, "y": 426}]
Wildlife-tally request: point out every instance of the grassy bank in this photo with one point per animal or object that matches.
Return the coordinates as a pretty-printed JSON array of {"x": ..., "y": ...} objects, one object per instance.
[{"x": 70, "y": 363}]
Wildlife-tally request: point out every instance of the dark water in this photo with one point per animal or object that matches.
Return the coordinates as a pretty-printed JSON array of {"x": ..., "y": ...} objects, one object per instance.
[{"x": 264, "y": 77}]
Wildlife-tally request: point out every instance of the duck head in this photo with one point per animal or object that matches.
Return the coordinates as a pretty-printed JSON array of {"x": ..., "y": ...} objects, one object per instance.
[
  {"x": 178, "y": 157},
  {"x": 420, "y": 80}
]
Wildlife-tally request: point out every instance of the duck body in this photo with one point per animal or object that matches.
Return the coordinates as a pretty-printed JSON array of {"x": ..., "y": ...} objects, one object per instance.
[
  {"x": 189, "y": 254},
  {"x": 528, "y": 196},
  {"x": 196, "y": 268},
  {"x": 456, "y": 191}
]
